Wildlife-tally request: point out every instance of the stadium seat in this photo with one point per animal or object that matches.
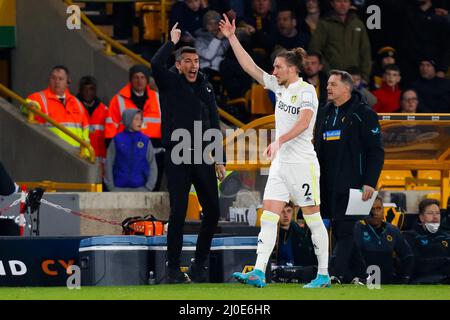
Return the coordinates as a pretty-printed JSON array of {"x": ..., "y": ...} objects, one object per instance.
[
  {"x": 429, "y": 174},
  {"x": 393, "y": 179},
  {"x": 194, "y": 207},
  {"x": 260, "y": 104}
]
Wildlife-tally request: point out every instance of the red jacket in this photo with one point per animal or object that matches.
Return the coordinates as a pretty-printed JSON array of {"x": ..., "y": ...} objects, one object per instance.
[
  {"x": 388, "y": 99},
  {"x": 97, "y": 131}
]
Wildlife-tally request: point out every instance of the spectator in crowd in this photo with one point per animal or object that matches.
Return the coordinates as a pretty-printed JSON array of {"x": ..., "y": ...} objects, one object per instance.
[
  {"x": 430, "y": 245},
  {"x": 235, "y": 81},
  {"x": 389, "y": 16},
  {"x": 7, "y": 185},
  {"x": 342, "y": 40},
  {"x": 355, "y": 72},
  {"x": 138, "y": 95},
  {"x": 210, "y": 43},
  {"x": 130, "y": 163},
  {"x": 189, "y": 15},
  {"x": 423, "y": 34},
  {"x": 313, "y": 73},
  {"x": 388, "y": 96},
  {"x": 259, "y": 24},
  {"x": 223, "y": 6},
  {"x": 97, "y": 114},
  {"x": 433, "y": 91},
  {"x": 350, "y": 152},
  {"x": 383, "y": 245},
  {"x": 442, "y": 8},
  {"x": 313, "y": 10},
  {"x": 409, "y": 101},
  {"x": 286, "y": 35},
  {"x": 385, "y": 56},
  {"x": 295, "y": 246},
  {"x": 59, "y": 104}
]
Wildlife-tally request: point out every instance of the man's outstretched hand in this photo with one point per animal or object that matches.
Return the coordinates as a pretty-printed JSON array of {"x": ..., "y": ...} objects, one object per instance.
[
  {"x": 175, "y": 34},
  {"x": 226, "y": 27}
]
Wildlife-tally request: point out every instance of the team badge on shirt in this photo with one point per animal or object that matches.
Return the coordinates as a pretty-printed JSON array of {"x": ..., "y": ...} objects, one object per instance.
[
  {"x": 140, "y": 144},
  {"x": 293, "y": 99}
]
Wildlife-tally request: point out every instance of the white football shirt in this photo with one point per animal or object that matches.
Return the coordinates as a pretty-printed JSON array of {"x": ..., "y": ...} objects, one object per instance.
[{"x": 290, "y": 101}]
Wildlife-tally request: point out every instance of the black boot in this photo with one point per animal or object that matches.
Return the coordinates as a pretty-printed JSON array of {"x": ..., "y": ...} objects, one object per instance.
[
  {"x": 198, "y": 272},
  {"x": 175, "y": 276}
]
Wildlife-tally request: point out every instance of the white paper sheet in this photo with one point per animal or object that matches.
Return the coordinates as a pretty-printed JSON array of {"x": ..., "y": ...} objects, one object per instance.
[{"x": 356, "y": 206}]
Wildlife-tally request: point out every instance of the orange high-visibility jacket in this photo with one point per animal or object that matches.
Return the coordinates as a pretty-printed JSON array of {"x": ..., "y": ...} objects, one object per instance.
[
  {"x": 97, "y": 131},
  {"x": 151, "y": 126},
  {"x": 72, "y": 115}
]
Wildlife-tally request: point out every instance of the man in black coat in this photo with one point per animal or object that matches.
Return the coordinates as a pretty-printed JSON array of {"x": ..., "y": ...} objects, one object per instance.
[
  {"x": 189, "y": 111},
  {"x": 430, "y": 246},
  {"x": 7, "y": 185},
  {"x": 351, "y": 156}
]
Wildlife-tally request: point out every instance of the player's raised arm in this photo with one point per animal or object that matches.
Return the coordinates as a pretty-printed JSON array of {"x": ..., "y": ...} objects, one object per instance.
[{"x": 228, "y": 29}]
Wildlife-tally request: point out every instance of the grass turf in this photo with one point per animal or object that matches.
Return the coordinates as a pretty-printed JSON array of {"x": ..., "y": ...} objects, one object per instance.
[{"x": 230, "y": 291}]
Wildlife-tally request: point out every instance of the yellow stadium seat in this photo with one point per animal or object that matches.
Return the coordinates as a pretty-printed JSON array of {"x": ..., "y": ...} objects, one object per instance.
[
  {"x": 260, "y": 102},
  {"x": 194, "y": 207},
  {"x": 151, "y": 19},
  {"x": 429, "y": 174},
  {"x": 434, "y": 195},
  {"x": 394, "y": 179}
]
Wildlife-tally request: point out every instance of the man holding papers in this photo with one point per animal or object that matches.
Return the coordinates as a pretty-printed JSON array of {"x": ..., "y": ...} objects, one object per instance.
[{"x": 351, "y": 156}]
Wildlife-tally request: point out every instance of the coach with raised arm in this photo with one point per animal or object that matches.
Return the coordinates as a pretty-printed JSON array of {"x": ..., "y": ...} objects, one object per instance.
[
  {"x": 188, "y": 108},
  {"x": 351, "y": 156}
]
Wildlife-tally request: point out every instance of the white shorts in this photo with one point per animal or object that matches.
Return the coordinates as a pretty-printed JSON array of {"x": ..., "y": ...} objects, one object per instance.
[{"x": 296, "y": 182}]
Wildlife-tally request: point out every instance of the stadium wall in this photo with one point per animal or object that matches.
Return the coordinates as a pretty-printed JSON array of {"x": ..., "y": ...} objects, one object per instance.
[{"x": 33, "y": 153}]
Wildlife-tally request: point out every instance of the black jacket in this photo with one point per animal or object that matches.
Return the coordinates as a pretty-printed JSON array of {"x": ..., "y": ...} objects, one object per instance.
[
  {"x": 182, "y": 103},
  {"x": 431, "y": 254},
  {"x": 358, "y": 160},
  {"x": 7, "y": 186},
  {"x": 425, "y": 34},
  {"x": 301, "y": 246},
  {"x": 378, "y": 249},
  {"x": 434, "y": 94}
]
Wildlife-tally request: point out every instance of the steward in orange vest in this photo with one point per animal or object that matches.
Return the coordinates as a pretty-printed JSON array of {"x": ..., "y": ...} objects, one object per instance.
[
  {"x": 59, "y": 104},
  {"x": 137, "y": 95}
]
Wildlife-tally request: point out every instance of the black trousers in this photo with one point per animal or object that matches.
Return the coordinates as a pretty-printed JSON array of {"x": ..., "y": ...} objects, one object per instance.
[
  {"x": 179, "y": 181},
  {"x": 346, "y": 261}
]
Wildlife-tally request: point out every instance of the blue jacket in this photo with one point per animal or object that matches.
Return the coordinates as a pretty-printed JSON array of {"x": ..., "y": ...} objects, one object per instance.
[
  {"x": 130, "y": 164},
  {"x": 131, "y": 168}
]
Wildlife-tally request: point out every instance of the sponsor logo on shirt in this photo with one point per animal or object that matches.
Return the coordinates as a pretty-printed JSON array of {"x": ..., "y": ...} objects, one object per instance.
[{"x": 288, "y": 109}]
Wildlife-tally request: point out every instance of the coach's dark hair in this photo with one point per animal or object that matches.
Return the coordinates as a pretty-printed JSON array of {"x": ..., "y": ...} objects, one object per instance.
[
  {"x": 294, "y": 57},
  {"x": 185, "y": 49},
  {"x": 426, "y": 203},
  {"x": 346, "y": 77}
]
